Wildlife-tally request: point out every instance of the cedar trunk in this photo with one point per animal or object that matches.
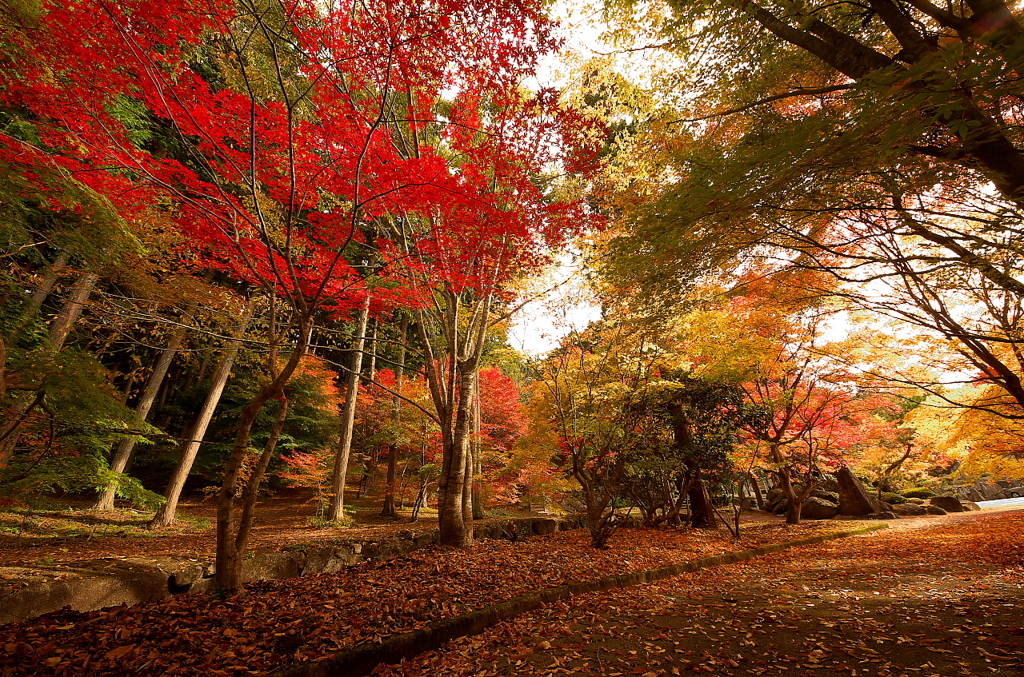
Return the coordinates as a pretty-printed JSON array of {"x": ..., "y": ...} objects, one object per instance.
[
  {"x": 336, "y": 510},
  {"x": 126, "y": 447},
  {"x": 60, "y": 327},
  {"x": 164, "y": 517}
]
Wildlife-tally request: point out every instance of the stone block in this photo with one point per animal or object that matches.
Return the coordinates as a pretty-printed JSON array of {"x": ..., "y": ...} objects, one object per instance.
[
  {"x": 84, "y": 590},
  {"x": 261, "y": 566},
  {"x": 544, "y": 527}
]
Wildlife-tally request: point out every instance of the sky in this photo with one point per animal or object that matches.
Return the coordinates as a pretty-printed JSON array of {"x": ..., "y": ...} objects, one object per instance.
[{"x": 562, "y": 303}]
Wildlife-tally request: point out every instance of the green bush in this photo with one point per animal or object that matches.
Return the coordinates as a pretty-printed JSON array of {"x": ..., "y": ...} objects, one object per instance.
[
  {"x": 892, "y": 498},
  {"x": 919, "y": 492}
]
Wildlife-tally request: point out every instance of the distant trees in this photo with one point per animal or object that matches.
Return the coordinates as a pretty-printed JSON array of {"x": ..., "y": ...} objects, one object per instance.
[{"x": 637, "y": 420}]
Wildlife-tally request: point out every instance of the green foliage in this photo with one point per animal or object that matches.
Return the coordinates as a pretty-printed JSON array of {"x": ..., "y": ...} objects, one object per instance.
[
  {"x": 129, "y": 488},
  {"x": 311, "y": 426},
  {"x": 321, "y": 522},
  {"x": 890, "y": 497},
  {"x": 918, "y": 492}
]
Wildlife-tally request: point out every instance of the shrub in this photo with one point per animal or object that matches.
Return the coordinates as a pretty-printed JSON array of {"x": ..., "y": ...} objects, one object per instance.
[
  {"x": 918, "y": 492},
  {"x": 892, "y": 498}
]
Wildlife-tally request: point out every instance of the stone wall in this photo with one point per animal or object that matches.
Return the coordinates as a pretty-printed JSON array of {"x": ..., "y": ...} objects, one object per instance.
[{"x": 85, "y": 586}]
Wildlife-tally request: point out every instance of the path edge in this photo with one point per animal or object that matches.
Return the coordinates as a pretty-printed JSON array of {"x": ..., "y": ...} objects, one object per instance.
[{"x": 362, "y": 659}]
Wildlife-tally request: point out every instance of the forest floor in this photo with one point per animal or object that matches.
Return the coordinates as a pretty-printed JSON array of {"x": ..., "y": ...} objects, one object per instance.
[
  {"x": 66, "y": 530},
  {"x": 282, "y": 622},
  {"x": 923, "y": 598},
  {"x": 928, "y": 596}
]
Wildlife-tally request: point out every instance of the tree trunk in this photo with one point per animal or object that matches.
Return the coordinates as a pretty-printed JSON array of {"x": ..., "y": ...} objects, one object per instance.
[
  {"x": 371, "y": 368},
  {"x": 396, "y": 419},
  {"x": 476, "y": 468},
  {"x": 467, "y": 487},
  {"x": 421, "y": 498},
  {"x": 230, "y": 537},
  {"x": 60, "y": 327},
  {"x": 455, "y": 530},
  {"x": 165, "y": 515},
  {"x": 69, "y": 313},
  {"x": 39, "y": 296},
  {"x": 126, "y": 447},
  {"x": 336, "y": 510},
  {"x": 793, "y": 504},
  {"x": 757, "y": 492},
  {"x": 252, "y": 487},
  {"x": 702, "y": 513}
]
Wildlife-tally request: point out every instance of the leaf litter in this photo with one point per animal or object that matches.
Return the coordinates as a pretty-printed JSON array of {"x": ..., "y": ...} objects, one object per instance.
[
  {"x": 922, "y": 599},
  {"x": 282, "y": 622}
]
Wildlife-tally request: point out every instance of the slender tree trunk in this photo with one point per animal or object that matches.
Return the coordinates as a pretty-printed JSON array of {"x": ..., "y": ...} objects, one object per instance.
[
  {"x": 230, "y": 546},
  {"x": 39, "y": 296},
  {"x": 371, "y": 368},
  {"x": 165, "y": 515},
  {"x": 757, "y": 492},
  {"x": 35, "y": 302},
  {"x": 72, "y": 309},
  {"x": 127, "y": 446},
  {"x": 396, "y": 418},
  {"x": 421, "y": 498},
  {"x": 3, "y": 369},
  {"x": 60, "y": 327},
  {"x": 252, "y": 487},
  {"x": 476, "y": 468},
  {"x": 336, "y": 510}
]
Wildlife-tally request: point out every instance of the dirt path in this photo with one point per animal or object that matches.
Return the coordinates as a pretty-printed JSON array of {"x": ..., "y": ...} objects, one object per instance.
[{"x": 923, "y": 598}]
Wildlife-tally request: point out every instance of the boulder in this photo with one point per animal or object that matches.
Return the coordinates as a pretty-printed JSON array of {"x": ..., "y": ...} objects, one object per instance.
[
  {"x": 778, "y": 506},
  {"x": 947, "y": 503},
  {"x": 853, "y": 497},
  {"x": 830, "y": 496},
  {"x": 265, "y": 565},
  {"x": 183, "y": 578},
  {"x": 990, "y": 491},
  {"x": 910, "y": 510},
  {"x": 970, "y": 505},
  {"x": 815, "y": 508},
  {"x": 973, "y": 494},
  {"x": 880, "y": 515},
  {"x": 772, "y": 498},
  {"x": 935, "y": 510}
]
